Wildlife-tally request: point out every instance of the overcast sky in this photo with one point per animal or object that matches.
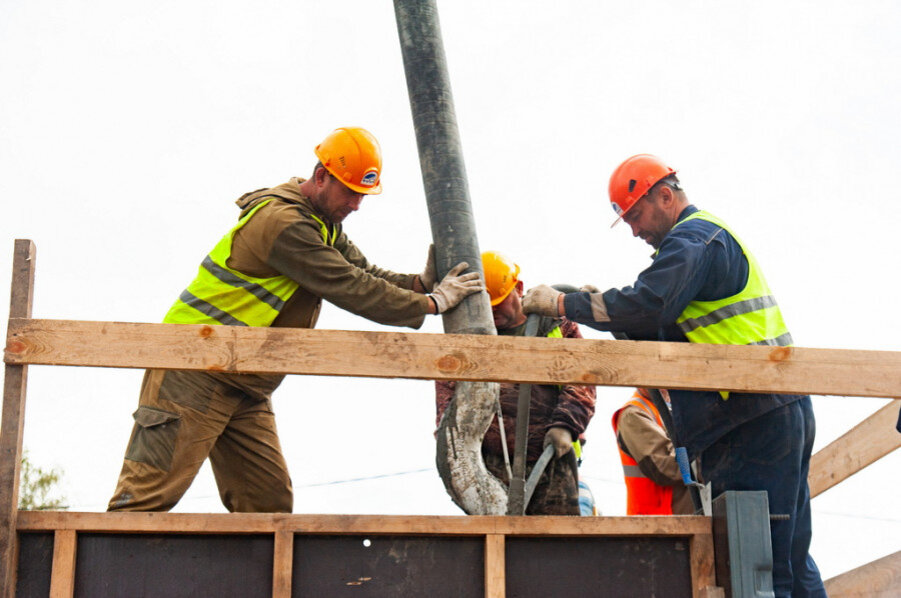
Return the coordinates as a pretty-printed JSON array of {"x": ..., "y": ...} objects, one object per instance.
[{"x": 127, "y": 130}]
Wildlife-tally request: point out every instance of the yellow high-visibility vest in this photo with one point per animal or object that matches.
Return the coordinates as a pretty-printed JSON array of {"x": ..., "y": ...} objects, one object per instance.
[
  {"x": 750, "y": 317},
  {"x": 223, "y": 295}
]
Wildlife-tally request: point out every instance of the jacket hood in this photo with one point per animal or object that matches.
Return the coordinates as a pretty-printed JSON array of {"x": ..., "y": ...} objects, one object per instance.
[{"x": 288, "y": 192}]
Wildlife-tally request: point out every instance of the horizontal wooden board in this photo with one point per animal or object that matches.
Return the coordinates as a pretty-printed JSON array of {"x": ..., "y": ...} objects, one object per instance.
[
  {"x": 455, "y": 357},
  {"x": 255, "y": 523}
]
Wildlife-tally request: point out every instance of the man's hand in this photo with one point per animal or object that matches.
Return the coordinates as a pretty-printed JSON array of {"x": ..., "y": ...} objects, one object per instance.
[
  {"x": 561, "y": 438},
  {"x": 455, "y": 287},
  {"x": 589, "y": 288},
  {"x": 541, "y": 300},
  {"x": 428, "y": 277}
]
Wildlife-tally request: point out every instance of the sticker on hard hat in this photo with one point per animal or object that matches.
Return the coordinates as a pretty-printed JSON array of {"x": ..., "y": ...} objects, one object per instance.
[{"x": 370, "y": 178}]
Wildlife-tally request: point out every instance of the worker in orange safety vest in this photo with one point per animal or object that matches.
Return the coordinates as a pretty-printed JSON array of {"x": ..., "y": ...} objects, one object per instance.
[{"x": 653, "y": 483}]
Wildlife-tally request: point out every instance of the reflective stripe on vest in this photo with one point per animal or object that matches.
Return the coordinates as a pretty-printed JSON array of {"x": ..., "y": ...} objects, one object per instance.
[
  {"x": 222, "y": 295},
  {"x": 643, "y": 496},
  {"x": 750, "y": 317}
]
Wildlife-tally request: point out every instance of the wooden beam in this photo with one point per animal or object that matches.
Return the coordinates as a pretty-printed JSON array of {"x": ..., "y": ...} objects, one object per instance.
[
  {"x": 868, "y": 441},
  {"x": 495, "y": 566},
  {"x": 455, "y": 357},
  {"x": 256, "y": 523},
  {"x": 879, "y": 579},
  {"x": 12, "y": 426},
  {"x": 703, "y": 572},
  {"x": 283, "y": 564},
  {"x": 62, "y": 576}
]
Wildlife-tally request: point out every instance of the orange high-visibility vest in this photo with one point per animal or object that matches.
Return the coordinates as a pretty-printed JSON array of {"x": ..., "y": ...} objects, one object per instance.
[{"x": 643, "y": 496}]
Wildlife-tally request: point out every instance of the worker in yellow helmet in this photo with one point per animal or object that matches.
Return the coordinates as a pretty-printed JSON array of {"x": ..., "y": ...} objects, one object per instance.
[
  {"x": 287, "y": 252},
  {"x": 558, "y": 415}
]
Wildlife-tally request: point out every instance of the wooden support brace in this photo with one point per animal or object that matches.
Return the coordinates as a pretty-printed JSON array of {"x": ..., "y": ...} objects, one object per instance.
[
  {"x": 62, "y": 576},
  {"x": 495, "y": 566},
  {"x": 282, "y": 564},
  {"x": 12, "y": 426},
  {"x": 868, "y": 441},
  {"x": 879, "y": 579}
]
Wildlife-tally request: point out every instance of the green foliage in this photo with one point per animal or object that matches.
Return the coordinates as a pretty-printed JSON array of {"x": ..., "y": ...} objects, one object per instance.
[{"x": 37, "y": 488}]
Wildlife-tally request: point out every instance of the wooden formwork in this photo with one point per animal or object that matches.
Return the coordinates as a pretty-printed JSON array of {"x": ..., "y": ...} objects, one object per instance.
[{"x": 66, "y": 542}]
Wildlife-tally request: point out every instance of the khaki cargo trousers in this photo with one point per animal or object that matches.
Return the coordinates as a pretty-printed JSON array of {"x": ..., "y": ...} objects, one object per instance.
[{"x": 185, "y": 417}]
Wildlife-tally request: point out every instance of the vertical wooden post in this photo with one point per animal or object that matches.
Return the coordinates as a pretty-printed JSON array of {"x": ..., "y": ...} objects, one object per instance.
[
  {"x": 12, "y": 426},
  {"x": 282, "y": 564},
  {"x": 62, "y": 576},
  {"x": 495, "y": 566}
]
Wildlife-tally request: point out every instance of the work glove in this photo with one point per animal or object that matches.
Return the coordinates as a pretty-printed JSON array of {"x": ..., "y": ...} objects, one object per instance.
[
  {"x": 455, "y": 287},
  {"x": 589, "y": 288},
  {"x": 541, "y": 300},
  {"x": 429, "y": 276},
  {"x": 561, "y": 438}
]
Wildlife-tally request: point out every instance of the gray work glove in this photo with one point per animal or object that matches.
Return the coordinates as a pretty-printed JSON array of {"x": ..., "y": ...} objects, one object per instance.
[
  {"x": 541, "y": 300},
  {"x": 561, "y": 438},
  {"x": 429, "y": 276},
  {"x": 455, "y": 287},
  {"x": 589, "y": 288}
]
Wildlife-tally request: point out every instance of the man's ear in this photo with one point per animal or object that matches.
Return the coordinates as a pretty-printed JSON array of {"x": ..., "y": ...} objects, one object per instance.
[
  {"x": 320, "y": 175},
  {"x": 666, "y": 195},
  {"x": 518, "y": 287}
]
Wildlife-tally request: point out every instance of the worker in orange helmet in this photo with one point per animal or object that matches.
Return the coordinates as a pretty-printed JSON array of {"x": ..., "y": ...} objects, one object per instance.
[
  {"x": 558, "y": 415},
  {"x": 705, "y": 286},
  {"x": 287, "y": 253},
  {"x": 654, "y": 484}
]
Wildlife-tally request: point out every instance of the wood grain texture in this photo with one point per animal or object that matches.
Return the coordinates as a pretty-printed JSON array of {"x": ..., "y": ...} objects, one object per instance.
[
  {"x": 255, "y": 523},
  {"x": 282, "y": 564},
  {"x": 865, "y": 443},
  {"x": 12, "y": 425},
  {"x": 495, "y": 573},
  {"x": 879, "y": 579},
  {"x": 62, "y": 577},
  {"x": 455, "y": 357}
]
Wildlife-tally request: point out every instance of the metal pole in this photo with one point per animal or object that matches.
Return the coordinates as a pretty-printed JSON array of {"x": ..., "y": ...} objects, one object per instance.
[
  {"x": 459, "y": 436},
  {"x": 441, "y": 157}
]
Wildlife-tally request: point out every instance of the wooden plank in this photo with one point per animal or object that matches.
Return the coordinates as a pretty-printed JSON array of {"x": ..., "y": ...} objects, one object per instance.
[
  {"x": 282, "y": 564},
  {"x": 495, "y": 573},
  {"x": 455, "y": 357},
  {"x": 12, "y": 426},
  {"x": 867, "y": 442},
  {"x": 703, "y": 573},
  {"x": 879, "y": 579},
  {"x": 62, "y": 578},
  {"x": 256, "y": 523}
]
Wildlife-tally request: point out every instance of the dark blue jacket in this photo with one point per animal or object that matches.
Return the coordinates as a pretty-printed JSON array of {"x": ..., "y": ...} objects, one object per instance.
[{"x": 697, "y": 260}]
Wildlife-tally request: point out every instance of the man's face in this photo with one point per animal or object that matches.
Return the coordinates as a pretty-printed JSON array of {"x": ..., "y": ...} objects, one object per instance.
[
  {"x": 648, "y": 219},
  {"x": 508, "y": 313},
  {"x": 335, "y": 201}
]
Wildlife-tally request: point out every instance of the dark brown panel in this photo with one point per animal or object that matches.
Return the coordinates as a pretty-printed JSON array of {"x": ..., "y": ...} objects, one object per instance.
[
  {"x": 174, "y": 566},
  {"x": 35, "y": 562},
  {"x": 336, "y": 566},
  {"x": 617, "y": 567}
]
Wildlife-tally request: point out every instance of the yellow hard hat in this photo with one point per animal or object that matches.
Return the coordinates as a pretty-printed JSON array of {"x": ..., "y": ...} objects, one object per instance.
[
  {"x": 501, "y": 275},
  {"x": 354, "y": 157}
]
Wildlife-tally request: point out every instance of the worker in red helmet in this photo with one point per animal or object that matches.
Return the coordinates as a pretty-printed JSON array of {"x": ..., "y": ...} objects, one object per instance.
[
  {"x": 558, "y": 415},
  {"x": 704, "y": 286},
  {"x": 287, "y": 253}
]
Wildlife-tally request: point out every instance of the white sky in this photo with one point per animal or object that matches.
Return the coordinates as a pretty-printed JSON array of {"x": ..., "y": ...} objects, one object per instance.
[{"x": 128, "y": 129}]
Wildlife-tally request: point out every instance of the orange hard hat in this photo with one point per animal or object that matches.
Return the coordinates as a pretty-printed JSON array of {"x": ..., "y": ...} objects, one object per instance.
[
  {"x": 354, "y": 157},
  {"x": 633, "y": 179},
  {"x": 501, "y": 275}
]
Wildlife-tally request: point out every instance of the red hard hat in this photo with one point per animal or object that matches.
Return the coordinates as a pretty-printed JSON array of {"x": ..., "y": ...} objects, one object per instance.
[{"x": 633, "y": 179}]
